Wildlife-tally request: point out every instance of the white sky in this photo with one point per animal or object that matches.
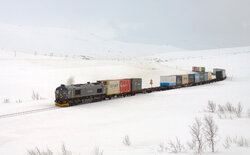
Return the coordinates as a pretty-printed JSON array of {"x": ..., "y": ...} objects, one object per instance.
[{"x": 191, "y": 24}]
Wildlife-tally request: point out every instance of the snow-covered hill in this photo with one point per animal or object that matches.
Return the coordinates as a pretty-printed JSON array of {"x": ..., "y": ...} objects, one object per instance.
[
  {"x": 148, "y": 119},
  {"x": 67, "y": 42}
]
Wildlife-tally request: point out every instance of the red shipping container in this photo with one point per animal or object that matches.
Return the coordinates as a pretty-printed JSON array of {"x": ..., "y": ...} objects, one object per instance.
[
  {"x": 196, "y": 69},
  {"x": 125, "y": 86}
]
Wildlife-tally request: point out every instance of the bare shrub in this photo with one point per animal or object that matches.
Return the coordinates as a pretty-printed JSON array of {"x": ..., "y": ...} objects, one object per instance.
[
  {"x": 210, "y": 131},
  {"x": 211, "y": 106},
  {"x": 227, "y": 143},
  {"x": 242, "y": 142},
  {"x": 162, "y": 147},
  {"x": 197, "y": 138},
  {"x": 35, "y": 96},
  {"x": 227, "y": 111},
  {"x": 65, "y": 151},
  {"x": 229, "y": 107},
  {"x": 219, "y": 115},
  {"x": 175, "y": 147},
  {"x": 6, "y": 100},
  {"x": 18, "y": 101},
  {"x": 37, "y": 151},
  {"x": 221, "y": 109},
  {"x": 70, "y": 81},
  {"x": 191, "y": 145},
  {"x": 239, "y": 141},
  {"x": 235, "y": 139},
  {"x": 97, "y": 151},
  {"x": 126, "y": 140},
  {"x": 238, "y": 110}
]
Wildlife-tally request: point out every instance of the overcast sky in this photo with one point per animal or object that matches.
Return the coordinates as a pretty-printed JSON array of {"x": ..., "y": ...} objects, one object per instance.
[{"x": 188, "y": 24}]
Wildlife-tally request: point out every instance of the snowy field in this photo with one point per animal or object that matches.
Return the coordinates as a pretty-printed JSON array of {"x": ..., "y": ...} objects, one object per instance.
[{"x": 151, "y": 121}]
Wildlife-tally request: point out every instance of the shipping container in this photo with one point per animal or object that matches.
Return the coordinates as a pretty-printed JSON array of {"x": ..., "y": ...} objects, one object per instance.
[
  {"x": 202, "y": 69},
  {"x": 198, "y": 69},
  {"x": 220, "y": 74},
  {"x": 195, "y": 69},
  {"x": 136, "y": 84},
  {"x": 206, "y": 76},
  {"x": 191, "y": 78},
  {"x": 178, "y": 80},
  {"x": 222, "y": 70},
  {"x": 185, "y": 79},
  {"x": 202, "y": 77},
  {"x": 168, "y": 80},
  {"x": 125, "y": 85},
  {"x": 209, "y": 76},
  {"x": 197, "y": 77},
  {"x": 112, "y": 86}
]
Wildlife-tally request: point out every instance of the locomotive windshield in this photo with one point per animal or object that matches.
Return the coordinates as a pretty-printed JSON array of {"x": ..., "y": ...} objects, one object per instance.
[{"x": 61, "y": 91}]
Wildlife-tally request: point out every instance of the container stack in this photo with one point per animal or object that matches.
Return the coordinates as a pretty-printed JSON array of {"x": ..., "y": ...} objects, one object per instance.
[{"x": 198, "y": 69}]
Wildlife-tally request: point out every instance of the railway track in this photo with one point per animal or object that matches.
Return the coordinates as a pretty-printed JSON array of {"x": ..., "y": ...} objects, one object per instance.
[
  {"x": 148, "y": 90},
  {"x": 28, "y": 112}
]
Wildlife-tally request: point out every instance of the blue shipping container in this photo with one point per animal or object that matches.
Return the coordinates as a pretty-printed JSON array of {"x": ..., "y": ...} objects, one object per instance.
[
  {"x": 191, "y": 78},
  {"x": 197, "y": 78},
  {"x": 202, "y": 77},
  {"x": 206, "y": 76}
]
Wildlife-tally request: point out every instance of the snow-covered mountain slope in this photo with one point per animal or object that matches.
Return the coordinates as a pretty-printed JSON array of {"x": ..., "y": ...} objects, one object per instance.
[
  {"x": 148, "y": 119},
  {"x": 62, "y": 42}
]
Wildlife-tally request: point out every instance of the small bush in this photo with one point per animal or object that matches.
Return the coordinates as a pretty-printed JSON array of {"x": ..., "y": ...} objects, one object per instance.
[
  {"x": 161, "y": 147},
  {"x": 175, "y": 147},
  {"x": 35, "y": 96},
  {"x": 211, "y": 106},
  {"x": 18, "y": 101},
  {"x": 242, "y": 142},
  {"x": 65, "y": 151},
  {"x": 191, "y": 145},
  {"x": 221, "y": 109},
  {"x": 6, "y": 100},
  {"x": 238, "y": 110},
  {"x": 229, "y": 107},
  {"x": 227, "y": 143},
  {"x": 228, "y": 111},
  {"x": 126, "y": 140},
  {"x": 97, "y": 151},
  {"x": 37, "y": 151}
]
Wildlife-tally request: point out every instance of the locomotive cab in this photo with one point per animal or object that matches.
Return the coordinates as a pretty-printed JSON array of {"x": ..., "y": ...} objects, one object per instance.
[{"x": 61, "y": 95}]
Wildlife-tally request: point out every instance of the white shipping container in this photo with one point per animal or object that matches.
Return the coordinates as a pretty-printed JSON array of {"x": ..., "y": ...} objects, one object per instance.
[
  {"x": 209, "y": 75},
  {"x": 168, "y": 79},
  {"x": 112, "y": 86},
  {"x": 184, "y": 79}
]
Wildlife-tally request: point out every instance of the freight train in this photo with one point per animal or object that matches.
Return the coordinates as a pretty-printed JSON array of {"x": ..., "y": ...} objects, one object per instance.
[{"x": 69, "y": 95}]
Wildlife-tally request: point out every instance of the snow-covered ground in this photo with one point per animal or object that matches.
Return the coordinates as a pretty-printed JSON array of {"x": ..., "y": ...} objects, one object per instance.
[{"x": 148, "y": 119}]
